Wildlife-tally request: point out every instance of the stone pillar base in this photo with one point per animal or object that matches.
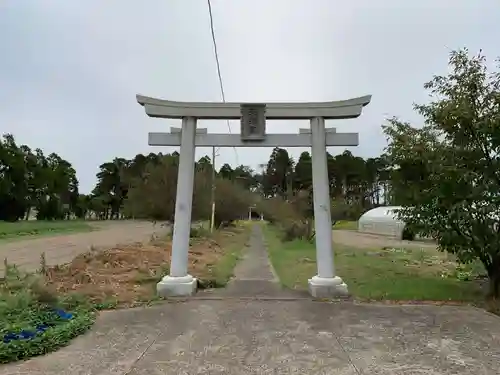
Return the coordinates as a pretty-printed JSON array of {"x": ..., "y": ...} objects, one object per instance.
[
  {"x": 334, "y": 287},
  {"x": 182, "y": 286}
]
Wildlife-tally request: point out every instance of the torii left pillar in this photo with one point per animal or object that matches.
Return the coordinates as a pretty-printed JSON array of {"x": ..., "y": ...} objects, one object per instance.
[{"x": 179, "y": 282}]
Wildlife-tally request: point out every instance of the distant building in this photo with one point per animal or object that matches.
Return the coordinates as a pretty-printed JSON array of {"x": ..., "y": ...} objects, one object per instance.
[{"x": 382, "y": 221}]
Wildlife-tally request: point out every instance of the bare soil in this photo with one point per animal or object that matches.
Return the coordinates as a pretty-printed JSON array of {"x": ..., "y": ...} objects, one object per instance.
[
  {"x": 127, "y": 274},
  {"x": 63, "y": 248}
]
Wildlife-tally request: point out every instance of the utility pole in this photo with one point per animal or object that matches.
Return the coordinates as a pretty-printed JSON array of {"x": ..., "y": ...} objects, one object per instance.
[
  {"x": 289, "y": 187},
  {"x": 262, "y": 172},
  {"x": 212, "y": 199}
]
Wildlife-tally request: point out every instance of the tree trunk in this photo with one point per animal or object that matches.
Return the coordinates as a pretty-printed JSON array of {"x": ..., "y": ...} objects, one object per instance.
[
  {"x": 494, "y": 277},
  {"x": 495, "y": 286},
  {"x": 309, "y": 224}
]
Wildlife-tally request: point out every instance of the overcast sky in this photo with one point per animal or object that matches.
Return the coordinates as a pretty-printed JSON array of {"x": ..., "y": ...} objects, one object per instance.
[{"x": 70, "y": 70}]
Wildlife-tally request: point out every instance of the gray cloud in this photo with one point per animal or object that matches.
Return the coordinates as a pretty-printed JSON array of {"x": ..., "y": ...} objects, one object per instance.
[{"x": 69, "y": 71}]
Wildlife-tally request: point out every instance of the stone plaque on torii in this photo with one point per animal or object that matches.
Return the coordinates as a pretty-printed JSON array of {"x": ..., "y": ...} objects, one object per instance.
[{"x": 253, "y": 134}]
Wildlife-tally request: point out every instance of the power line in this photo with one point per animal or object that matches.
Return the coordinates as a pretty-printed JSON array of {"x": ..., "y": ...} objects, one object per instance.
[{"x": 216, "y": 52}]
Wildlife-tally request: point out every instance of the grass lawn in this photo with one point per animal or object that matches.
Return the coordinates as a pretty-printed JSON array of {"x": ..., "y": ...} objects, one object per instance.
[
  {"x": 415, "y": 274},
  {"x": 346, "y": 225},
  {"x": 232, "y": 243},
  {"x": 24, "y": 229}
]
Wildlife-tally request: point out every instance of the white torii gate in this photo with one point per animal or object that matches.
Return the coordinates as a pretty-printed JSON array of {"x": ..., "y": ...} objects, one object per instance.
[{"x": 253, "y": 134}]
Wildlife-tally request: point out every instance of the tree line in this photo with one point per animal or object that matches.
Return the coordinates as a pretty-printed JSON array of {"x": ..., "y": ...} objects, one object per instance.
[
  {"x": 358, "y": 183},
  {"x": 33, "y": 184},
  {"x": 31, "y": 180}
]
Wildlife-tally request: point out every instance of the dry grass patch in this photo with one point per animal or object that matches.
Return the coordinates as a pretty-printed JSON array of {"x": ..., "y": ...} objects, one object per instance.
[
  {"x": 127, "y": 274},
  {"x": 123, "y": 274}
]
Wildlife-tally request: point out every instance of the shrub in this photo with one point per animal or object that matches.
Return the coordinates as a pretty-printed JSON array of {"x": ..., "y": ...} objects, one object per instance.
[
  {"x": 199, "y": 232},
  {"x": 232, "y": 202},
  {"x": 343, "y": 210},
  {"x": 277, "y": 211},
  {"x": 153, "y": 197},
  {"x": 289, "y": 217},
  {"x": 408, "y": 234},
  {"x": 27, "y": 305},
  {"x": 295, "y": 230}
]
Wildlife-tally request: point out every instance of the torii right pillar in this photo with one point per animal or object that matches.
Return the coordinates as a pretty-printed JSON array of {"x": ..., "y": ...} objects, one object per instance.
[{"x": 326, "y": 283}]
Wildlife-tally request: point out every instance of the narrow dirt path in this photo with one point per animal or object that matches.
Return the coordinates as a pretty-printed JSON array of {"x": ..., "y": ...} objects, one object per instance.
[{"x": 63, "y": 248}]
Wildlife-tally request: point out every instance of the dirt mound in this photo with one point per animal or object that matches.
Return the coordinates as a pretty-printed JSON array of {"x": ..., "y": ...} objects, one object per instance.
[{"x": 127, "y": 273}]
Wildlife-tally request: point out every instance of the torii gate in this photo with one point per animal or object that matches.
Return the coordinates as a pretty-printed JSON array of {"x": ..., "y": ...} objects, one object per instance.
[{"x": 253, "y": 134}]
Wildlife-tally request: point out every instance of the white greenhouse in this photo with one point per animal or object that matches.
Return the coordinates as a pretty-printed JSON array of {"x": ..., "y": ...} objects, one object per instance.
[{"x": 382, "y": 221}]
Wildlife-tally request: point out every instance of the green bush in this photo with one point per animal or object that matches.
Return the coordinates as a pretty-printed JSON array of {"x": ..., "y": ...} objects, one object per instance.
[
  {"x": 199, "y": 232},
  {"x": 25, "y": 303},
  {"x": 296, "y": 230}
]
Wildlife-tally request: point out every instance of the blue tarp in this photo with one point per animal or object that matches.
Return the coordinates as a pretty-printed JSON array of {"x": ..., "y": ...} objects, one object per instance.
[{"x": 40, "y": 328}]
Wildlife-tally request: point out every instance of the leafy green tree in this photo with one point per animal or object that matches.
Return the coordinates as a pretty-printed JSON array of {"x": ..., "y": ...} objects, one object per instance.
[
  {"x": 204, "y": 164},
  {"x": 374, "y": 178},
  {"x": 245, "y": 177},
  {"x": 30, "y": 180},
  {"x": 152, "y": 194},
  {"x": 13, "y": 186},
  {"x": 82, "y": 206},
  {"x": 278, "y": 177},
  {"x": 226, "y": 172},
  {"x": 353, "y": 180},
  {"x": 59, "y": 192},
  {"x": 111, "y": 185},
  {"x": 303, "y": 172},
  {"x": 450, "y": 166}
]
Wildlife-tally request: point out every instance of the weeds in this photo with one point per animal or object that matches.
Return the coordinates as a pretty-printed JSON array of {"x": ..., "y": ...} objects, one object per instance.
[{"x": 30, "y": 324}]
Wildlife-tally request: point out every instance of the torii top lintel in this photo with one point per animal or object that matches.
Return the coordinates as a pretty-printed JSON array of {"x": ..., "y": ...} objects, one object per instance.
[{"x": 342, "y": 109}]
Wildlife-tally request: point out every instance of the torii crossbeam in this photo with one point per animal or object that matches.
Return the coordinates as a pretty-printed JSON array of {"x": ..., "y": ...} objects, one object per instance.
[
  {"x": 342, "y": 109},
  {"x": 205, "y": 139}
]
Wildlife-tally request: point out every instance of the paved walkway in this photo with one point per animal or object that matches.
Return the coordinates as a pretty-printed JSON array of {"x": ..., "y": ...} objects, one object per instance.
[
  {"x": 62, "y": 249},
  {"x": 242, "y": 336},
  {"x": 253, "y": 275}
]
